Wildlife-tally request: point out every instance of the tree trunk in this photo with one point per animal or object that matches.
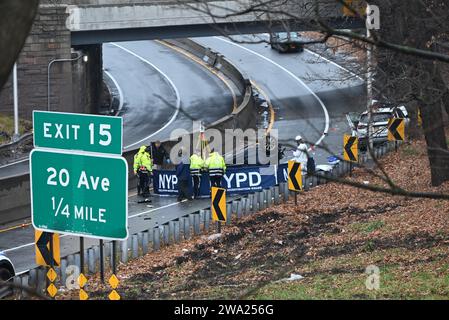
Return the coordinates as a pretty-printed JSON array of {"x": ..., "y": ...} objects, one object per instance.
[
  {"x": 16, "y": 19},
  {"x": 433, "y": 126},
  {"x": 412, "y": 80}
]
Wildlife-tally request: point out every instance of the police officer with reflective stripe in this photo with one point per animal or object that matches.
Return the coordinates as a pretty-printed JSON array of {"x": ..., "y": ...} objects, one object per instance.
[
  {"x": 196, "y": 166},
  {"x": 143, "y": 168},
  {"x": 216, "y": 167}
]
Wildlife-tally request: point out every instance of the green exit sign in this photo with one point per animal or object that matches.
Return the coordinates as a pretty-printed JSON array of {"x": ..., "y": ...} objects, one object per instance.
[
  {"x": 79, "y": 194},
  {"x": 70, "y": 131}
]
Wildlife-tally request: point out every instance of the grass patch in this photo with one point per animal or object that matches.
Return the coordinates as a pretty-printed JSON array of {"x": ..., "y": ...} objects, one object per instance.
[
  {"x": 367, "y": 227},
  {"x": 7, "y": 127},
  {"x": 343, "y": 278}
]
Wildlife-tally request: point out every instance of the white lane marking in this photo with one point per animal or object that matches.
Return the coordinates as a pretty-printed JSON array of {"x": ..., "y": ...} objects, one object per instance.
[
  {"x": 335, "y": 64},
  {"x": 129, "y": 217},
  {"x": 326, "y": 113},
  {"x": 26, "y": 245},
  {"x": 155, "y": 209},
  {"x": 178, "y": 98},
  {"x": 13, "y": 163},
  {"x": 120, "y": 92}
]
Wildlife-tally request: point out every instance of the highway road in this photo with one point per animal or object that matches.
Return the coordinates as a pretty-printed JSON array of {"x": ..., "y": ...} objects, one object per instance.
[
  {"x": 162, "y": 90},
  {"x": 303, "y": 105}
]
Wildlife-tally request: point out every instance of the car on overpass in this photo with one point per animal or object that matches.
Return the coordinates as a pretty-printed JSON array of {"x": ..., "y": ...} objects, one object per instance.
[
  {"x": 286, "y": 42},
  {"x": 382, "y": 113},
  {"x": 7, "y": 272}
]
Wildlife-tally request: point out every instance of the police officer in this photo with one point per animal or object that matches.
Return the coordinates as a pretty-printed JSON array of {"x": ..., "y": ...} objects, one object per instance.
[
  {"x": 182, "y": 173},
  {"x": 216, "y": 167},
  {"x": 143, "y": 168},
  {"x": 196, "y": 165},
  {"x": 301, "y": 154}
]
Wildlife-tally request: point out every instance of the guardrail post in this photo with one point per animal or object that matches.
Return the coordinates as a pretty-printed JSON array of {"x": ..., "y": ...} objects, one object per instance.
[
  {"x": 156, "y": 239},
  {"x": 78, "y": 261},
  {"x": 250, "y": 204},
  {"x": 171, "y": 231},
  {"x": 165, "y": 234},
  {"x": 286, "y": 192},
  {"x": 186, "y": 227},
  {"x": 382, "y": 150},
  {"x": 239, "y": 210},
  {"x": 229, "y": 213},
  {"x": 135, "y": 246},
  {"x": 90, "y": 261},
  {"x": 139, "y": 242},
  {"x": 305, "y": 183},
  {"x": 17, "y": 281},
  {"x": 145, "y": 241},
  {"x": 124, "y": 251},
  {"x": 247, "y": 206},
  {"x": 346, "y": 167},
  {"x": 268, "y": 198},
  {"x": 207, "y": 219},
  {"x": 191, "y": 222},
  {"x": 196, "y": 224},
  {"x": 176, "y": 231},
  {"x": 33, "y": 278},
  {"x": 234, "y": 207},
  {"x": 277, "y": 199},
  {"x": 62, "y": 270},
  {"x": 261, "y": 198},
  {"x": 341, "y": 170},
  {"x": 202, "y": 214},
  {"x": 25, "y": 284},
  {"x": 41, "y": 280}
]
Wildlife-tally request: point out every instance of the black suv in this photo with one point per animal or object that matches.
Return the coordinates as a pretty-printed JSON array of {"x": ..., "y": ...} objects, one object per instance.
[{"x": 286, "y": 42}]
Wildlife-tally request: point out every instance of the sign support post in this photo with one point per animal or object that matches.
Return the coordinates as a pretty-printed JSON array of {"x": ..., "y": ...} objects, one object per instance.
[
  {"x": 114, "y": 257},
  {"x": 101, "y": 261},
  {"x": 51, "y": 267},
  {"x": 81, "y": 255}
]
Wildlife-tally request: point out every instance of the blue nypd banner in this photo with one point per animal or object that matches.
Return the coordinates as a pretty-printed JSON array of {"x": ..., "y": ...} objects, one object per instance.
[{"x": 237, "y": 180}]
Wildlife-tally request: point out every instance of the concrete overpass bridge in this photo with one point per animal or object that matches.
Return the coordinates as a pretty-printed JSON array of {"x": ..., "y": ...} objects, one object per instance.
[
  {"x": 94, "y": 21},
  {"x": 64, "y": 26}
]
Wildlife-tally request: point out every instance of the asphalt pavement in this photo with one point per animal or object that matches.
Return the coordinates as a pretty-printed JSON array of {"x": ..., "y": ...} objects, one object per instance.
[
  {"x": 305, "y": 101},
  {"x": 162, "y": 90}
]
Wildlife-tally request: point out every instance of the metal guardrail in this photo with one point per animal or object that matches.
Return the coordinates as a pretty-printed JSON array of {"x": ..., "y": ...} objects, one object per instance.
[
  {"x": 184, "y": 227},
  {"x": 10, "y": 147}
]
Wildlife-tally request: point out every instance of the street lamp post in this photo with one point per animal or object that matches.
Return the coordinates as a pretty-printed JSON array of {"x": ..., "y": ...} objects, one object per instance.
[
  {"x": 16, "y": 135},
  {"x": 85, "y": 59}
]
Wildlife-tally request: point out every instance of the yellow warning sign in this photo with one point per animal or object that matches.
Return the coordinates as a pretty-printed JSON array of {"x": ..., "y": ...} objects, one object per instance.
[
  {"x": 82, "y": 280},
  {"x": 113, "y": 281},
  {"x": 350, "y": 148},
  {"x": 114, "y": 295},
  {"x": 52, "y": 290},
  {"x": 294, "y": 176},
  {"x": 83, "y": 295},
  {"x": 42, "y": 245},
  {"x": 396, "y": 129},
  {"x": 52, "y": 275},
  {"x": 218, "y": 204}
]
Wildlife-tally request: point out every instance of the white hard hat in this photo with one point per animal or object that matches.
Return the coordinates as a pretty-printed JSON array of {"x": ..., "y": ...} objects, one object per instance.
[{"x": 298, "y": 138}]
